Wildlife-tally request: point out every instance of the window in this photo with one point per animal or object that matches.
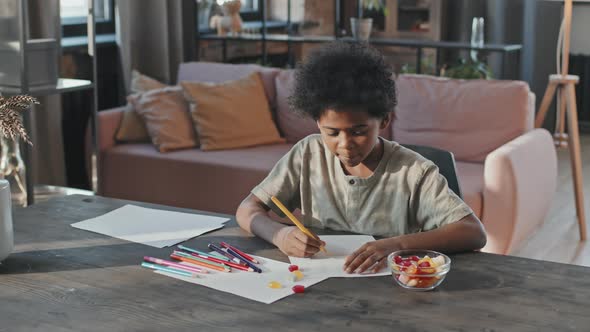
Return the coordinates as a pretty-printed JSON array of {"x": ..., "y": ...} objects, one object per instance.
[{"x": 74, "y": 12}]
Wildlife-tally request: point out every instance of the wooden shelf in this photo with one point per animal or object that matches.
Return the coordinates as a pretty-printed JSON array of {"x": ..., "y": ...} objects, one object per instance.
[{"x": 63, "y": 85}]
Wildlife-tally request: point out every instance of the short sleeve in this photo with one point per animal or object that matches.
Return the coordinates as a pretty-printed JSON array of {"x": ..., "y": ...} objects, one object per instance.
[
  {"x": 434, "y": 203},
  {"x": 283, "y": 181}
]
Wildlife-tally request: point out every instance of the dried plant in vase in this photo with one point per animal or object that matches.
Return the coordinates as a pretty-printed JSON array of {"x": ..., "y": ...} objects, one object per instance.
[
  {"x": 11, "y": 125},
  {"x": 12, "y": 167}
]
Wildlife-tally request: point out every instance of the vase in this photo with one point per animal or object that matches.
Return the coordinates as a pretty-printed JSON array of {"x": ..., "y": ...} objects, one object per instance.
[
  {"x": 12, "y": 169},
  {"x": 6, "y": 233},
  {"x": 361, "y": 28}
]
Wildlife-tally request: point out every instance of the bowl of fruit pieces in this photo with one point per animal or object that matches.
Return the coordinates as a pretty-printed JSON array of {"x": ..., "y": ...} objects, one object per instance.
[{"x": 420, "y": 270}]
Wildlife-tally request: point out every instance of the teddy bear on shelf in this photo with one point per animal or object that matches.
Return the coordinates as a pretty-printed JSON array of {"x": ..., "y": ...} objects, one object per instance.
[{"x": 230, "y": 21}]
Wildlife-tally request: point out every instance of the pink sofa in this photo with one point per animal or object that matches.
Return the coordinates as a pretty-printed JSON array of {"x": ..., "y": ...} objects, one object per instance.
[{"x": 507, "y": 169}]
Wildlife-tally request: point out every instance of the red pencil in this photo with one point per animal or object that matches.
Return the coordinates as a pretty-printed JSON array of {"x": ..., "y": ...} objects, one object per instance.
[
  {"x": 245, "y": 255},
  {"x": 221, "y": 261}
]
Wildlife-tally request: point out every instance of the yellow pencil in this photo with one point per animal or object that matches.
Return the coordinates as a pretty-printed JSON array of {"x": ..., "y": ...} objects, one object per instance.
[{"x": 295, "y": 221}]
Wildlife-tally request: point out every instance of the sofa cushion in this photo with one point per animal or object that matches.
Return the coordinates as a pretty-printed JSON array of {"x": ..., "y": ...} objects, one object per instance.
[
  {"x": 167, "y": 119},
  {"x": 470, "y": 118},
  {"x": 471, "y": 182},
  {"x": 232, "y": 114},
  {"x": 292, "y": 125},
  {"x": 132, "y": 128},
  {"x": 221, "y": 72},
  {"x": 138, "y": 172}
]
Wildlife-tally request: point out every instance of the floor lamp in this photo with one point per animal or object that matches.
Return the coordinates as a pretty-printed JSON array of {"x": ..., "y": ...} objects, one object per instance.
[{"x": 564, "y": 85}]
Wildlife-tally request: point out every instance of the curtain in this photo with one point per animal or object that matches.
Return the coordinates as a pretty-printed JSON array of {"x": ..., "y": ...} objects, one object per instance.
[
  {"x": 150, "y": 38},
  {"x": 48, "y": 164}
]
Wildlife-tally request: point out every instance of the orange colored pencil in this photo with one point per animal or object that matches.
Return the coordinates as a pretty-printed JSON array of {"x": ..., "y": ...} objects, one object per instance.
[{"x": 196, "y": 262}]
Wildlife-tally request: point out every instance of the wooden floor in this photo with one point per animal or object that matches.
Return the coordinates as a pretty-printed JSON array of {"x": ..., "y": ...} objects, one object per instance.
[{"x": 558, "y": 239}]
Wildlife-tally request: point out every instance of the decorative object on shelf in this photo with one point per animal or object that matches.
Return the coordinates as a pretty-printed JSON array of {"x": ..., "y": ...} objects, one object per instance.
[
  {"x": 203, "y": 10},
  {"x": 230, "y": 21},
  {"x": 369, "y": 11},
  {"x": 12, "y": 167},
  {"x": 376, "y": 10},
  {"x": 477, "y": 36},
  {"x": 361, "y": 28},
  {"x": 468, "y": 69},
  {"x": 42, "y": 60}
]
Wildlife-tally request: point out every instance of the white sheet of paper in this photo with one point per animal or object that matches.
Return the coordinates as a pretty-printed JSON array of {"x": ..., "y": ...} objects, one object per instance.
[
  {"x": 252, "y": 285},
  {"x": 329, "y": 265},
  {"x": 152, "y": 227}
]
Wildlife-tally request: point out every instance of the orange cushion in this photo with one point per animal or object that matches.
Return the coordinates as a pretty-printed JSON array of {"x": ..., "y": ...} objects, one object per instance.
[
  {"x": 132, "y": 128},
  {"x": 232, "y": 114}
]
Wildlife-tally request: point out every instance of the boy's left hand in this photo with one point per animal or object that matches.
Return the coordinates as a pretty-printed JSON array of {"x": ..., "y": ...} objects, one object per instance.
[{"x": 370, "y": 255}]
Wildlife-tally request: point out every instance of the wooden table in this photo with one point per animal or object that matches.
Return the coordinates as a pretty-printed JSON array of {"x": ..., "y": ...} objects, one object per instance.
[{"x": 64, "y": 279}]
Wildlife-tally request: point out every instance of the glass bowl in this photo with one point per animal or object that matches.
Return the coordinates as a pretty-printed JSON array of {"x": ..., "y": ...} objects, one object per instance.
[{"x": 419, "y": 270}]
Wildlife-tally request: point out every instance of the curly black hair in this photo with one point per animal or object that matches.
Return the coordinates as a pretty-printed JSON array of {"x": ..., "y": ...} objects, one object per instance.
[{"x": 344, "y": 75}]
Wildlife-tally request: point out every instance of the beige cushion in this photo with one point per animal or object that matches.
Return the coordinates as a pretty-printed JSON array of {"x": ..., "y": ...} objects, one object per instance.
[
  {"x": 165, "y": 113},
  {"x": 232, "y": 114},
  {"x": 132, "y": 128}
]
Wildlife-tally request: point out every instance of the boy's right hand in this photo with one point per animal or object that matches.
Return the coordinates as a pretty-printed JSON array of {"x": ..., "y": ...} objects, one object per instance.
[{"x": 293, "y": 242}]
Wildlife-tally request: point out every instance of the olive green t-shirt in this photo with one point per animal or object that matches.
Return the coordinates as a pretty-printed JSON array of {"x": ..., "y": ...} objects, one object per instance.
[{"x": 405, "y": 194}]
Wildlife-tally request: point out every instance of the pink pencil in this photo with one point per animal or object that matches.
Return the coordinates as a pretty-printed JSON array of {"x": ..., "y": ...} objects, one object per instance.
[{"x": 173, "y": 264}]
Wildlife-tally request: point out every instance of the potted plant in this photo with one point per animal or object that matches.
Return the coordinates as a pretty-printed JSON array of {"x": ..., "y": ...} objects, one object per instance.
[
  {"x": 11, "y": 129},
  {"x": 468, "y": 69},
  {"x": 369, "y": 10}
]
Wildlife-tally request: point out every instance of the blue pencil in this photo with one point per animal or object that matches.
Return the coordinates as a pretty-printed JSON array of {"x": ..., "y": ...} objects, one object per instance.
[
  {"x": 224, "y": 253},
  {"x": 169, "y": 269},
  {"x": 243, "y": 260}
]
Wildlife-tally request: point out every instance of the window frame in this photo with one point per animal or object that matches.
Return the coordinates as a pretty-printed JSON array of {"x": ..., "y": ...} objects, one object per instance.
[
  {"x": 76, "y": 26},
  {"x": 253, "y": 15}
]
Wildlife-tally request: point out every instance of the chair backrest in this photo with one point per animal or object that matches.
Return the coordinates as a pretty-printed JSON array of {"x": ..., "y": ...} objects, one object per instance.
[{"x": 445, "y": 162}]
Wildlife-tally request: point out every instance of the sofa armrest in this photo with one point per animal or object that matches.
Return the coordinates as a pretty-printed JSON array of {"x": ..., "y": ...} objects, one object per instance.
[
  {"x": 520, "y": 179},
  {"x": 108, "y": 123}
]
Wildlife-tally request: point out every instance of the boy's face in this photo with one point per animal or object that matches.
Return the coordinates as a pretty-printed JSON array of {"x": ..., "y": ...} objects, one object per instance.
[{"x": 351, "y": 135}]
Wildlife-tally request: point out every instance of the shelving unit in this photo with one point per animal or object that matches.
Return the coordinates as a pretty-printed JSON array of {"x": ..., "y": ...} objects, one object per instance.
[
  {"x": 420, "y": 41},
  {"x": 63, "y": 85}
]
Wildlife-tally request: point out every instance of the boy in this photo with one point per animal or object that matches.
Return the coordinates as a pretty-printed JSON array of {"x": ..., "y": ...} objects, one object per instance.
[{"x": 348, "y": 178}]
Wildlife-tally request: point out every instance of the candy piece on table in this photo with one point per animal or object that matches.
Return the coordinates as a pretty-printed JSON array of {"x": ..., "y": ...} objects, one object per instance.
[
  {"x": 298, "y": 275},
  {"x": 293, "y": 268},
  {"x": 298, "y": 289},
  {"x": 291, "y": 277},
  {"x": 275, "y": 285}
]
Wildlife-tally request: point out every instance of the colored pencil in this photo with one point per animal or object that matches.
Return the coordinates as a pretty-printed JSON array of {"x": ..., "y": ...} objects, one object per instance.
[
  {"x": 201, "y": 252},
  {"x": 245, "y": 255},
  {"x": 169, "y": 269},
  {"x": 254, "y": 267},
  {"x": 231, "y": 264},
  {"x": 173, "y": 264},
  {"x": 194, "y": 260},
  {"x": 190, "y": 255},
  {"x": 223, "y": 252},
  {"x": 295, "y": 221}
]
